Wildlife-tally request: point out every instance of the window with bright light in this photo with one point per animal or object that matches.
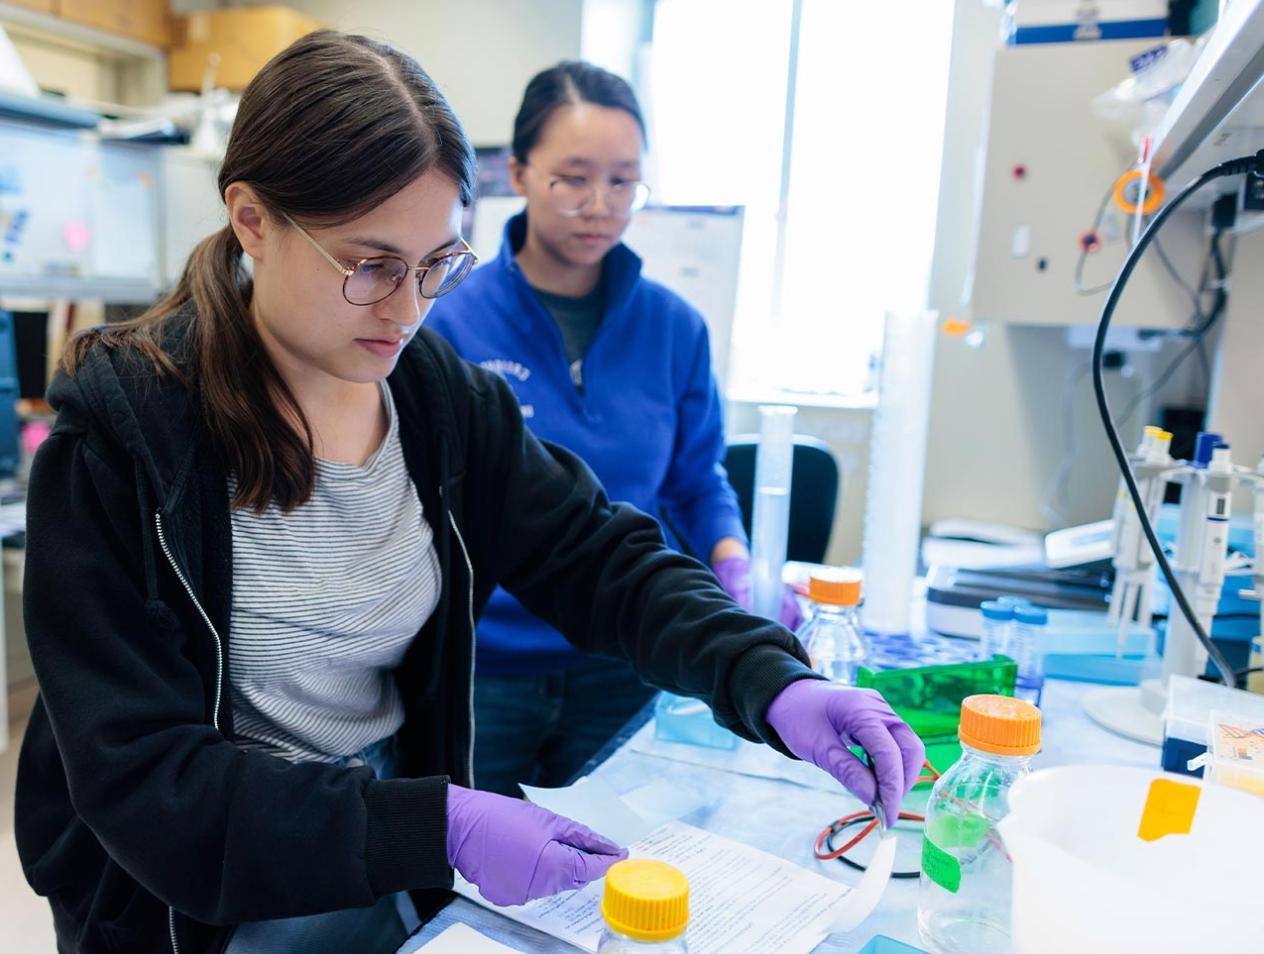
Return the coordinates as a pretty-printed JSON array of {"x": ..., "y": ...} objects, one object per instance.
[{"x": 840, "y": 218}]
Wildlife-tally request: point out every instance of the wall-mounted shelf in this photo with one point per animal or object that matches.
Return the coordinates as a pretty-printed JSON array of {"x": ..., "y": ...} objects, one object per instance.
[
  {"x": 69, "y": 29},
  {"x": 46, "y": 110},
  {"x": 127, "y": 70},
  {"x": 78, "y": 288},
  {"x": 1219, "y": 112}
]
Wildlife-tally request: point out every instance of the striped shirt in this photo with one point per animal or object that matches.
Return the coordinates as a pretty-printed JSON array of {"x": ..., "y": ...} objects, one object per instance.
[{"x": 326, "y": 600}]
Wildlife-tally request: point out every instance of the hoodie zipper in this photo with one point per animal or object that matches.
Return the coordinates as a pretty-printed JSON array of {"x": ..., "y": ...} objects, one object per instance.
[
  {"x": 469, "y": 610},
  {"x": 219, "y": 655},
  {"x": 219, "y": 670},
  {"x": 219, "y": 645}
]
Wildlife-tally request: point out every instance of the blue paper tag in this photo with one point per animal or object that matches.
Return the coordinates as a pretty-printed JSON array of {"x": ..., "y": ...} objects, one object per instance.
[{"x": 1143, "y": 60}]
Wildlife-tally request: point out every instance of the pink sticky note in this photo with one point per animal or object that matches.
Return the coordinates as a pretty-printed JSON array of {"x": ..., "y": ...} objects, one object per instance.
[
  {"x": 76, "y": 235},
  {"x": 33, "y": 435}
]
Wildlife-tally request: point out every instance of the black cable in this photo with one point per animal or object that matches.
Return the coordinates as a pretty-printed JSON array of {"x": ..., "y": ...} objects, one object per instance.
[
  {"x": 1197, "y": 333},
  {"x": 1176, "y": 277},
  {"x": 1055, "y": 491},
  {"x": 1219, "y": 616},
  {"x": 1220, "y": 270},
  {"x": 1220, "y": 274},
  {"x": 1077, "y": 281},
  {"x": 1233, "y": 167},
  {"x": 838, "y": 829},
  {"x": 1162, "y": 379},
  {"x": 1203, "y": 362}
]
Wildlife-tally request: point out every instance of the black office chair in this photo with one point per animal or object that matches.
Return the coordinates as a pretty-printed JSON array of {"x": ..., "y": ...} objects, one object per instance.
[{"x": 815, "y": 486}]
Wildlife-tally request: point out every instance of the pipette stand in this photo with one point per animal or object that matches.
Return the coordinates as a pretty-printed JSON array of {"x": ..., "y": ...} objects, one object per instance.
[{"x": 1199, "y": 566}]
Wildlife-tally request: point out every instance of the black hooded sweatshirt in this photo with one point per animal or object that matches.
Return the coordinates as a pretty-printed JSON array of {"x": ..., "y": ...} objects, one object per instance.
[{"x": 138, "y": 817}]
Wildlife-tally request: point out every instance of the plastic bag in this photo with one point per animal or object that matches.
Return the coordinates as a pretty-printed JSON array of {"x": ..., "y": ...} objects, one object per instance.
[{"x": 1141, "y": 101}]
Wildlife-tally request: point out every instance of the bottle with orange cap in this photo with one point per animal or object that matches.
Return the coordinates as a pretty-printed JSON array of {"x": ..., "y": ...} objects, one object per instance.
[
  {"x": 964, "y": 899},
  {"x": 832, "y": 634},
  {"x": 645, "y": 907}
]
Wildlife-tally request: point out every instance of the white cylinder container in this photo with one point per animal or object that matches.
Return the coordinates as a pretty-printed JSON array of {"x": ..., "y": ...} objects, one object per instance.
[
  {"x": 897, "y": 465},
  {"x": 770, "y": 520}
]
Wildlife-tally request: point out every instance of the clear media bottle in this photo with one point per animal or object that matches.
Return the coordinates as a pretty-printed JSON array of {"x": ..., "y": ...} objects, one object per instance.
[
  {"x": 832, "y": 634},
  {"x": 964, "y": 901},
  {"x": 1028, "y": 650},
  {"x": 998, "y": 627},
  {"x": 645, "y": 907}
]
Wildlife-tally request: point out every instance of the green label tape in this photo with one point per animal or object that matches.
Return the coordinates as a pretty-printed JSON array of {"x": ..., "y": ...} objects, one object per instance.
[{"x": 941, "y": 867}]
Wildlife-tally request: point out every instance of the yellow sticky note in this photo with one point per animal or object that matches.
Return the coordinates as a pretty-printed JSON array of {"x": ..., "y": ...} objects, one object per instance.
[{"x": 1169, "y": 809}]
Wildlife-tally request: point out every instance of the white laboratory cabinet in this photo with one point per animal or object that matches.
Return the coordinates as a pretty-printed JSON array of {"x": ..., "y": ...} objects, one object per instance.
[
  {"x": 191, "y": 207},
  {"x": 1047, "y": 162},
  {"x": 78, "y": 216}
]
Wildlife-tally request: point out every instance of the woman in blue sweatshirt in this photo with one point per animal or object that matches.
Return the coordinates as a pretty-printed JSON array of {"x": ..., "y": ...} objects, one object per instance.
[{"x": 610, "y": 365}]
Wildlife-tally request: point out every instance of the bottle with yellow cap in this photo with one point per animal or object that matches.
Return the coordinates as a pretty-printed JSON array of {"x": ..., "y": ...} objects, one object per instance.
[
  {"x": 964, "y": 900},
  {"x": 645, "y": 907},
  {"x": 832, "y": 634}
]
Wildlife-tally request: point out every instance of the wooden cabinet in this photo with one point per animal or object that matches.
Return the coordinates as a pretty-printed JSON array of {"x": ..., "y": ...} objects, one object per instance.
[
  {"x": 245, "y": 38},
  {"x": 146, "y": 20},
  {"x": 43, "y": 6}
]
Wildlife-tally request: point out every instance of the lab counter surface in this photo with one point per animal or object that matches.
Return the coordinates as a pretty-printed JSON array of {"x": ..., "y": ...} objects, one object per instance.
[{"x": 784, "y": 819}]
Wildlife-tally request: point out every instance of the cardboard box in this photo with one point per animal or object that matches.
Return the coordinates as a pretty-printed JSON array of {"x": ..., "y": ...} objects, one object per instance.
[
  {"x": 244, "y": 37},
  {"x": 146, "y": 20}
]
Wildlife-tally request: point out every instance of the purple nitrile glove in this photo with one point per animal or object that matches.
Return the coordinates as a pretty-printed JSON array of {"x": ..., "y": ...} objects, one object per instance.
[
  {"x": 734, "y": 574},
  {"x": 817, "y": 720},
  {"x": 516, "y": 852}
]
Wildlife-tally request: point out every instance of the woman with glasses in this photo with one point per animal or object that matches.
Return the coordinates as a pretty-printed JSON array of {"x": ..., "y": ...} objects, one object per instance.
[
  {"x": 613, "y": 367},
  {"x": 259, "y": 538}
]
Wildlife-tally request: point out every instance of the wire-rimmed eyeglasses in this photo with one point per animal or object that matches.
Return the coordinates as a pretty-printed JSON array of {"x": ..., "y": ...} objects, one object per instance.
[
  {"x": 371, "y": 280},
  {"x": 573, "y": 195}
]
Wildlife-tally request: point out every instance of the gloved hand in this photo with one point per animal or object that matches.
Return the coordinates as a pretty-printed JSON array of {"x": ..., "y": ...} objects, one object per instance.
[
  {"x": 817, "y": 720},
  {"x": 734, "y": 574},
  {"x": 516, "y": 852}
]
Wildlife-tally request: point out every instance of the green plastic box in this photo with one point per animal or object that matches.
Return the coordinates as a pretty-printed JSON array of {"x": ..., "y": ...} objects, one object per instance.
[{"x": 929, "y": 698}]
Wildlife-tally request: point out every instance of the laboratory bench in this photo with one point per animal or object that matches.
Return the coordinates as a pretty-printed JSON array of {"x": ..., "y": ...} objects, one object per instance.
[{"x": 783, "y": 817}]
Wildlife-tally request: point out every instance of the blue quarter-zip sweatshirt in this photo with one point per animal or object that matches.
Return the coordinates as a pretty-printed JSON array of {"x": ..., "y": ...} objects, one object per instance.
[{"x": 648, "y": 421}]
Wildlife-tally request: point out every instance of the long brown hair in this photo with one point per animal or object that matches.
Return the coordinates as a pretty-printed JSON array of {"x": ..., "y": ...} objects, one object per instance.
[{"x": 331, "y": 127}]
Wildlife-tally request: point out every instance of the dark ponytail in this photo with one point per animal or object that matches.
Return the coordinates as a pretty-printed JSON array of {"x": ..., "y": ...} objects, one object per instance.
[
  {"x": 280, "y": 465},
  {"x": 566, "y": 84},
  {"x": 331, "y": 127}
]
